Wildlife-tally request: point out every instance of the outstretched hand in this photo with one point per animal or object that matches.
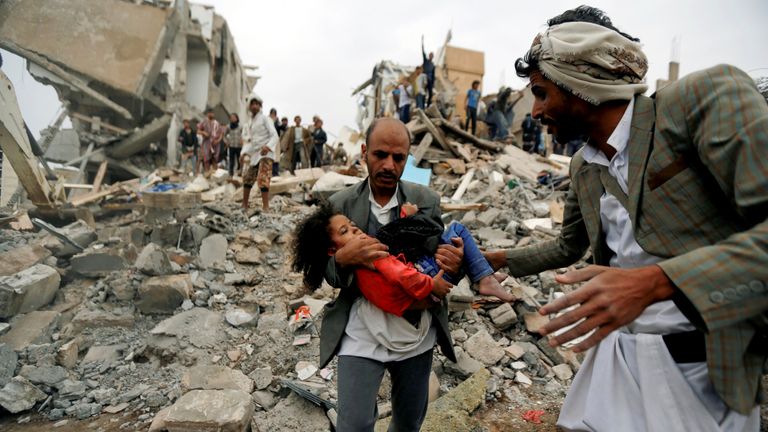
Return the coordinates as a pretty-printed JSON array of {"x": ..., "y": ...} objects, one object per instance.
[
  {"x": 361, "y": 251},
  {"x": 610, "y": 299}
]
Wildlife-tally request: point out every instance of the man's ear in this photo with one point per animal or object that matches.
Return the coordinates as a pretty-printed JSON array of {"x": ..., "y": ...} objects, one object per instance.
[
  {"x": 363, "y": 153},
  {"x": 331, "y": 251}
]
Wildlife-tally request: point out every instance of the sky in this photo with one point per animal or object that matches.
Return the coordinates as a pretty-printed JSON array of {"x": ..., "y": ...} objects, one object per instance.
[{"x": 312, "y": 54}]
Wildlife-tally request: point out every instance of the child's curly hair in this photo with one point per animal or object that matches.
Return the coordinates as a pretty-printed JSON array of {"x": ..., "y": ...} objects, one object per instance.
[{"x": 311, "y": 243}]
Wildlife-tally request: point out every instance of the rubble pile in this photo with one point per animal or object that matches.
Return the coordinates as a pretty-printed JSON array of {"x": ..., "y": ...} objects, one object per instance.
[{"x": 182, "y": 300}]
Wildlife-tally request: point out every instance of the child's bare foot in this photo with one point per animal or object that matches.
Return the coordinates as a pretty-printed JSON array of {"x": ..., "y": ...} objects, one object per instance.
[
  {"x": 501, "y": 277},
  {"x": 490, "y": 286}
]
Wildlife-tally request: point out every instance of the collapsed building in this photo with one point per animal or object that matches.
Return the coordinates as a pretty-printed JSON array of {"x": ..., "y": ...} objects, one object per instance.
[{"x": 125, "y": 91}]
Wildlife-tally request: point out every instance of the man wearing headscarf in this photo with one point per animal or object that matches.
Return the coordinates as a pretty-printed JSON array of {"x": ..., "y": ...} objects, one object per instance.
[{"x": 670, "y": 193}]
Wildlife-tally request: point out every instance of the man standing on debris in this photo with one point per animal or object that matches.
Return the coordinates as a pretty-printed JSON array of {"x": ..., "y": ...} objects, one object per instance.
[
  {"x": 212, "y": 133},
  {"x": 470, "y": 106},
  {"x": 234, "y": 142},
  {"x": 670, "y": 193},
  {"x": 429, "y": 69},
  {"x": 404, "y": 104},
  {"x": 420, "y": 87},
  {"x": 362, "y": 360},
  {"x": 319, "y": 138},
  {"x": 260, "y": 144},
  {"x": 189, "y": 147},
  {"x": 295, "y": 146}
]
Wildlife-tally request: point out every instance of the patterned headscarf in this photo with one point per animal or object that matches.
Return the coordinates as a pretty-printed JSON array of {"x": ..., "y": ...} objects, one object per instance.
[{"x": 593, "y": 62}]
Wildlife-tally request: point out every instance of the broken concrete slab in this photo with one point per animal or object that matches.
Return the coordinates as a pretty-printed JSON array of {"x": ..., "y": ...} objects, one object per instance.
[
  {"x": 21, "y": 258},
  {"x": 200, "y": 327},
  {"x": 262, "y": 377},
  {"x": 211, "y": 410},
  {"x": 20, "y": 395},
  {"x": 248, "y": 255},
  {"x": 8, "y": 363},
  {"x": 79, "y": 232},
  {"x": 47, "y": 375},
  {"x": 154, "y": 261},
  {"x": 213, "y": 251},
  {"x": 284, "y": 416},
  {"x": 563, "y": 372},
  {"x": 214, "y": 377},
  {"x": 488, "y": 217},
  {"x": 534, "y": 321},
  {"x": 32, "y": 328},
  {"x": 164, "y": 294},
  {"x": 241, "y": 318},
  {"x": 503, "y": 316},
  {"x": 464, "y": 366},
  {"x": 67, "y": 354},
  {"x": 86, "y": 318},
  {"x": 97, "y": 263},
  {"x": 28, "y": 290},
  {"x": 104, "y": 354},
  {"x": 482, "y": 347}
]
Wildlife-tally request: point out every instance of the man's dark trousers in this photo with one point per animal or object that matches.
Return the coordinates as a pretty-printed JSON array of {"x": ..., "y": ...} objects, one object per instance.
[{"x": 358, "y": 386}]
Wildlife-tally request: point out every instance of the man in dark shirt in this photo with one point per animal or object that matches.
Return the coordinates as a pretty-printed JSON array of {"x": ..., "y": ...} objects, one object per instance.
[
  {"x": 189, "y": 146},
  {"x": 429, "y": 69},
  {"x": 319, "y": 139}
]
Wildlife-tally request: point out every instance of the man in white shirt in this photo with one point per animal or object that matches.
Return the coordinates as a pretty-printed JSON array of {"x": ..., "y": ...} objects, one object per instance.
[
  {"x": 404, "y": 105},
  {"x": 673, "y": 332},
  {"x": 261, "y": 141}
]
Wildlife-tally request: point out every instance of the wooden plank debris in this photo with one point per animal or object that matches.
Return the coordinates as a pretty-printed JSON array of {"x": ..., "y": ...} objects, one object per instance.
[
  {"x": 446, "y": 207},
  {"x": 465, "y": 181},
  {"x": 436, "y": 133},
  {"x": 418, "y": 154},
  {"x": 100, "y": 176}
]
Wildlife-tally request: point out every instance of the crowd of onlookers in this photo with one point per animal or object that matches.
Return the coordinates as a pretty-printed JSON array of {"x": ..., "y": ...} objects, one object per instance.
[{"x": 208, "y": 144}]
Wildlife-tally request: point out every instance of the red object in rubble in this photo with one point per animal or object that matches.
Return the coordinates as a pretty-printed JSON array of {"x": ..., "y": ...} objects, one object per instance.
[{"x": 533, "y": 416}]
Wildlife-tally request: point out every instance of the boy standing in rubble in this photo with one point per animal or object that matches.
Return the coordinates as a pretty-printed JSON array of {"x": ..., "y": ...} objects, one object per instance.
[
  {"x": 260, "y": 138},
  {"x": 189, "y": 145},
  {"x": 212, "y": 133}
]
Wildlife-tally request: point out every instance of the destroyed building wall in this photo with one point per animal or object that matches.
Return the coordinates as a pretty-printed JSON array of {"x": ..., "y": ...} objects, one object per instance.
[{"x": 128, "y": 73}]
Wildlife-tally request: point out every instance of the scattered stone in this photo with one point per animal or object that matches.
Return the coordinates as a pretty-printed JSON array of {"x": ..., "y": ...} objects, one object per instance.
[
  {"x": 303, "y": 339},
  {"x": 293, "y": 413},
  {"x": 164, "y": 294},
  {"x": 67, "y": 354},
  {"x": 487, "y": 217},
  {"x": 326, "y": 374},
  {"x": 269, "y": 322},
  {"x": 514, "y": 351},
  {"x": 233, "y": 279},
  {"x": 503, "y": 316},
  {"x": 28, "y": 290},
  {"x": 20, "y": 395},
  {"x": 523, "y": 379},
  {"x": 31, "y": 329},
  {"x": 518, "y": 365},
  {"x": 47, "y": 375},
  {"x": 213, "y": 251},
  {"x": 264, "y": 399},
  {"x": 464, "y": 366},
  {"x": 482, "y": 347},
  {"x": 215, "y": 377},
  {"x": 249, "y": 255},
  {"x": 71, "y": 389},
  {"x": 563, "y": 372},
  {"x": 158, "y": 422},
  {"x": 459, "y": 335},
  {"x": 234, "y": 355},
  {"x": 134, "y": 393},
  {"x": 98, "y": 263},
  {"x": 8, "y": 362},
  {"x": 534, "y": 321},
  {"x": 305, "y": 370},
  {"x": 89, "y": 319},
  {"x": 211, "y": 410},
  {"x": 104, "y": 354},
  {"x": 262, "y": 377},
  {"x": 22, "y": 257},
  {"x": 240, "y": 318},
  {"x": 200, "y": 327},
  {"x": 154, "y": 261}
]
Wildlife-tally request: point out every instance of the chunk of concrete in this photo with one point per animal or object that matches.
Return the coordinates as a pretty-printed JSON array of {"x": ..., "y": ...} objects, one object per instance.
[
  {"x": 563, "y": 372},
  {"x": 79, "y": 232},
  {"x": 20, "y": 258},
  {"x": 488, "y": 217},
  {"x": 534, "y": 321},
  {"x": 241, "y": 318},
  {"x": 482, "y": 347},
  {"x": 8, "y": 362},
  {"x": 464, "y": 366},
  {"x": 154, "y": 261},
  {"x": 262, "y": 377},
  {"x": 214, "y": 377},
  {"x": 67, "y": 354},
  {"x": 104, "y": 354},
  {"x": 211, "y": 410},
  {"x": 20, "y": 395},
  {"x": 503, "y": 316},
  {"x": 97, "y": 263},
  {"x": 98, "y": 319},
  {"x": 164, "y": 294},
  {"x": 213, "y": 251},
  {"x": 28, "y": 290},
  {"x": 31, "y": 329},
  {"x": 47, "y": 375},
  {"x": 200, "y": 327}
]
